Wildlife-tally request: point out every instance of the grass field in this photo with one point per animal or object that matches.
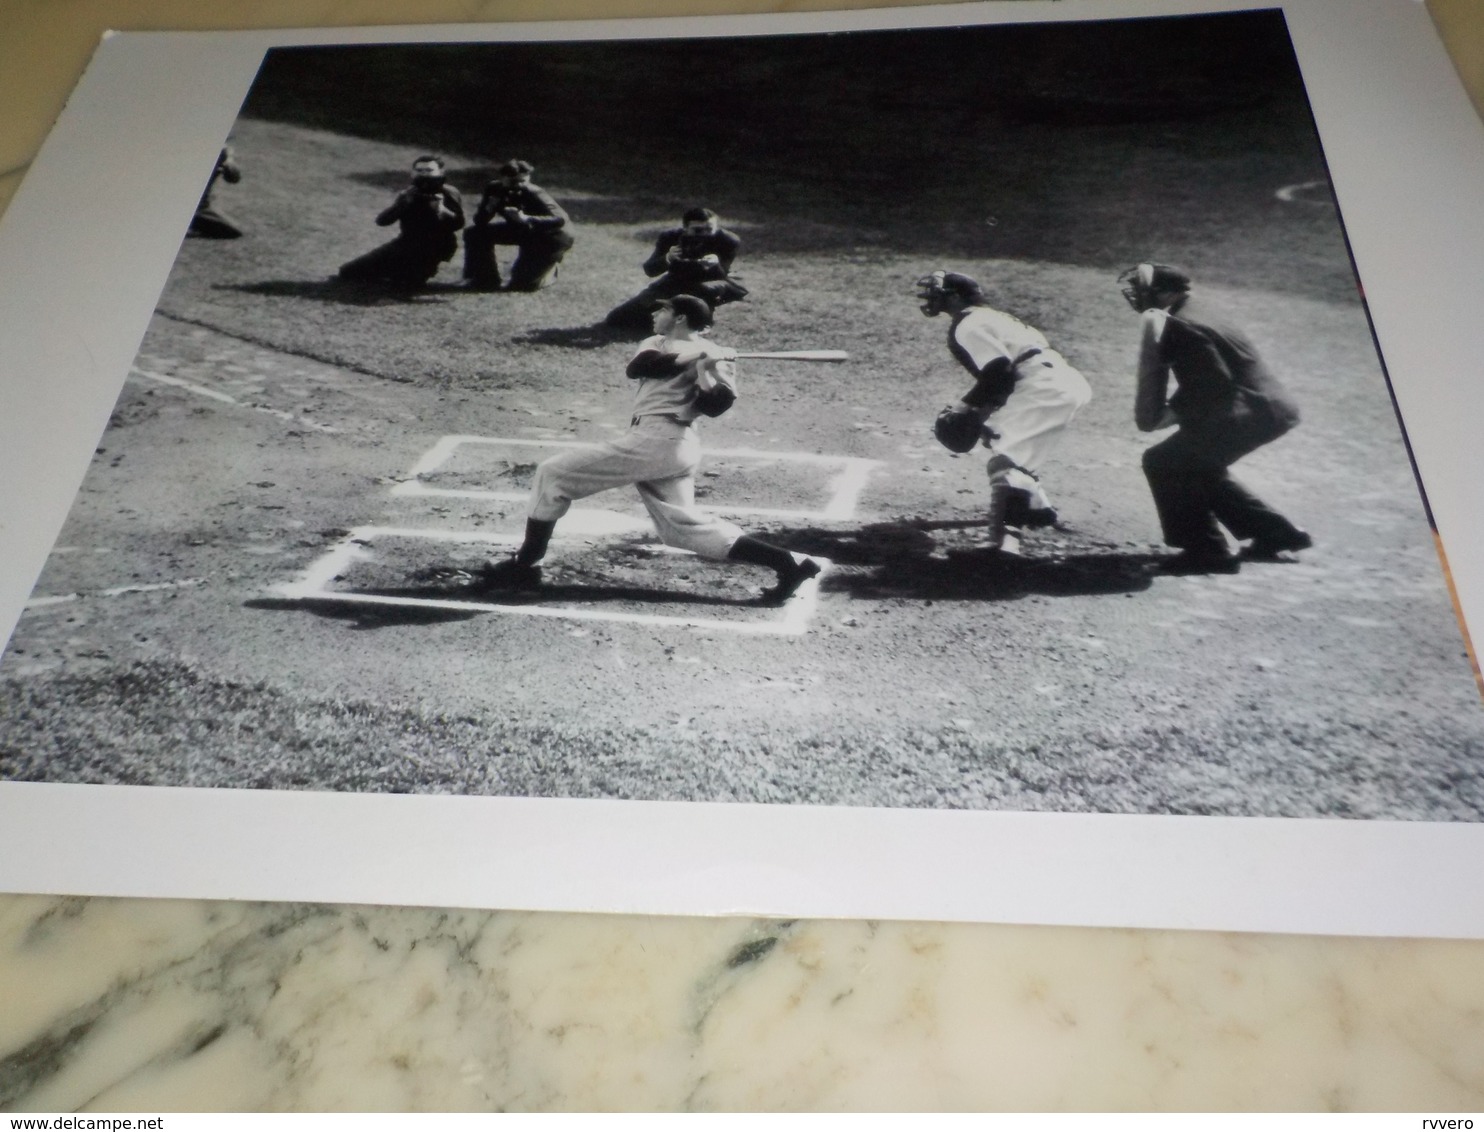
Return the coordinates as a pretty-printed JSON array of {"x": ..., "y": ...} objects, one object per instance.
[{"x": 274, "y": 412}]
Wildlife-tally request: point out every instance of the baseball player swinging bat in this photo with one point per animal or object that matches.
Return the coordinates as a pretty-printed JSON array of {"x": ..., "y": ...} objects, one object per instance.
[{"x": 797, "y": 355}]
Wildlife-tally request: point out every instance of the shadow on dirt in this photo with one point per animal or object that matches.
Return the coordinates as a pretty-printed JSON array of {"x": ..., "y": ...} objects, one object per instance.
[
  {"x": 577, "y": 337},
  {"x": 348, "y": 294},
  {"x": 367, "y": 616},
  {"x": 905, "y": 560},
  {"x": 458, "y": 586}
]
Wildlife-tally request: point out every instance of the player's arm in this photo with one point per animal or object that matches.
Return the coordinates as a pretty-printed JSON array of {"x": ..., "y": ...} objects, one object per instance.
[
  {"x": 991, "y": 363},
  {"x": 654, "y": 360},
  {"x": 716, "y": 382},
  {"x": 1151, "y": 400},
  {"x": 992, "y": 388}
]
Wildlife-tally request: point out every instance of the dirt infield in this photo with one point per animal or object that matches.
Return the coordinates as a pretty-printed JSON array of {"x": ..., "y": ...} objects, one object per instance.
[{"x": 264, "y": 580}]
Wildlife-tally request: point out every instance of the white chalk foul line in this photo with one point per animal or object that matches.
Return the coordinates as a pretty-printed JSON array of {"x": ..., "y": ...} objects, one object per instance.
[
  {"x": 216, "y": 395},
  {"x": 116, "y": 591},
  {"x": 844, "y": 488},
  {"x": 793, "y": 620}
]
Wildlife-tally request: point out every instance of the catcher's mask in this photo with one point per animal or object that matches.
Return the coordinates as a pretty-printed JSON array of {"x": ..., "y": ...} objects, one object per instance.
[
  {"x": 933, "y": 291},
  {"x": 1141, "y": 283}
]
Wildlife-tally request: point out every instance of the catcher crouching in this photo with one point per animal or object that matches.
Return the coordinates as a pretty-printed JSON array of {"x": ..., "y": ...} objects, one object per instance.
[{"x": 1024, "y": 396}]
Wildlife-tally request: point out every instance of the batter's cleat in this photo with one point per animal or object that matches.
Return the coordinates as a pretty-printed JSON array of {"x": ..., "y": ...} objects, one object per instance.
[
  {"x": 1205, "y": 562},
  {"x": 508, "y": 574},
  {"x": 1273, "y": 549},
  {"x": 789, "y": 583}
]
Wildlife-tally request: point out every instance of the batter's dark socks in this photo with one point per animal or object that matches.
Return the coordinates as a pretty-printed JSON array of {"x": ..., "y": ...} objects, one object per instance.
[{"x": 538, "y": 537}]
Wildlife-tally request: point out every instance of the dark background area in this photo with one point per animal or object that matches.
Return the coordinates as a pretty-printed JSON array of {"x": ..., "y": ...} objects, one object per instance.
[{"x": 1091, "y": 143}]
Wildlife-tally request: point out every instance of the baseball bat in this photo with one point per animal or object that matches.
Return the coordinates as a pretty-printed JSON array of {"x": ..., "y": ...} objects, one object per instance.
[{"x": 797, "y": 355}]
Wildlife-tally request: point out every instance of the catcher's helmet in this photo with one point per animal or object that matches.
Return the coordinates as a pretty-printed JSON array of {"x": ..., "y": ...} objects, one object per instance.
[
  {"x": 933, "y": 291},
  {"x": 1142, "y": 282}
]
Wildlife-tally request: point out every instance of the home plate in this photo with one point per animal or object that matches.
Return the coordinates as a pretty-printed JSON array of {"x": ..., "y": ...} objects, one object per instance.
[{"x": 632, "y": 581}]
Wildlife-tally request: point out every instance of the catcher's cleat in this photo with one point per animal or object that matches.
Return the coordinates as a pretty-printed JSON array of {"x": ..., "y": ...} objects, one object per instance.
[
  {"x": 508, "y": 574},
  {"x": 1273, "y": 549},
  {"x": 1189, "y": 562},
  {"x": 790, "y": 581}
]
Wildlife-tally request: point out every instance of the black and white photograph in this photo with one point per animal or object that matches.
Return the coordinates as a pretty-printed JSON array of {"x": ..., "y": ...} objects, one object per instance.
[{"x": 965, "y": 418}]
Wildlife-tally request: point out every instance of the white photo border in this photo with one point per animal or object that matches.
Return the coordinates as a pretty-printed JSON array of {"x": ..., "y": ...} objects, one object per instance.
[{"x": 1407, "y": 162}]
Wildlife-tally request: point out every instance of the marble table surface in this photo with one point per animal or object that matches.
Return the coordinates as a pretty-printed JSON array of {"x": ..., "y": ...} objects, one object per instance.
[{"x": 154, "y": 1005}]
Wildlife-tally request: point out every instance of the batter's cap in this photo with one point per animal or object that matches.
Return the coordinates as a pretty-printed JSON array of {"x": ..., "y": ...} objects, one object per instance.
[
  {"x": 695, "y": 311},
  {"x": 517, "y": 168}
]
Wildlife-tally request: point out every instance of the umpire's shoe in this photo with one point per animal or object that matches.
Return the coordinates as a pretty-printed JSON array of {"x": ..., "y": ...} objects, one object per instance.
[
  {"x": 1273, "y": 549},
  {"x": 509, "y": 574}
]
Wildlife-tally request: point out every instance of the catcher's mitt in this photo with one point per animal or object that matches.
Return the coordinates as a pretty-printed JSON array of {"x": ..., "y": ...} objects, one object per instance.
[{"x": 957, "y": 430}]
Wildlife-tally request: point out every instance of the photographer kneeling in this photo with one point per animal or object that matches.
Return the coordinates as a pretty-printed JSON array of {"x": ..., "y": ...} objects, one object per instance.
[
  {"x": 429, "y": 214},
  {"x": 694, "y": 259}
]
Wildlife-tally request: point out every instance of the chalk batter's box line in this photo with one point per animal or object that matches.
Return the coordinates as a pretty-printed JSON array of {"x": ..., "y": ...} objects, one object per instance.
[
  {"x": 844, "y": 488},
  {"x": 793, "y": 620}
]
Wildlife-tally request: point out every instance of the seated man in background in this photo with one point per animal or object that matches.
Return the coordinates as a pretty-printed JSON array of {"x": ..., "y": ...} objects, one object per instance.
[
  {"x": 428, "y": 214},
  {"x": 517, "y": 212},
  {"x": 694, "y": 259},
  {"x": 208, "y": 222}
]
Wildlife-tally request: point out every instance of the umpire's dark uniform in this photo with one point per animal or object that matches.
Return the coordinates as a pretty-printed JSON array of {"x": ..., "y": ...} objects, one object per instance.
[{"x": 1227, "y": 403}]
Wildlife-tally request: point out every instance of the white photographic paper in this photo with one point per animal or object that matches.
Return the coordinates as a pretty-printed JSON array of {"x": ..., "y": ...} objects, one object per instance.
[{"x": 253, "y": 652}]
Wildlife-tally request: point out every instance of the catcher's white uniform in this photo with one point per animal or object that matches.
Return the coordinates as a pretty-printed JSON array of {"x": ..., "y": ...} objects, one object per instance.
[
  {"x": 658, "y": 455},
  {"x": 1026, "y": 394},
  {"x": 1048, "y": 391}
]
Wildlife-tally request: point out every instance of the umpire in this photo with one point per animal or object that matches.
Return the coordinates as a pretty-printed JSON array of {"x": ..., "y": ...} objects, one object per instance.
[{"x": 1226, "y": 404}]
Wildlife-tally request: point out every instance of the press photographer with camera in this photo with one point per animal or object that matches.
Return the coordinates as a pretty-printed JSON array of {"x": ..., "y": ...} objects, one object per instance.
[
  {"x": 429, "y": 214},
  {"x": 516, "y": 211},
  {"x": 693, "y": 259}
]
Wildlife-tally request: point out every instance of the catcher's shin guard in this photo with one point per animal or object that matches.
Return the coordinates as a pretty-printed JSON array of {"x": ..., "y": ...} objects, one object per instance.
[{"x": 1016, "y": 501}]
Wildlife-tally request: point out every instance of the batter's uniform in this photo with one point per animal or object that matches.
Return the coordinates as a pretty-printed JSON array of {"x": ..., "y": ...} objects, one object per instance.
[
  {"x": 1227, "y": 403},
  {"x": 660, "y": 452},
  {"x": 526, "y": 217},
  {"x": 688, "y": 271},
  {"x": 1026, "y": 393},
  {"x": 427, "y": 236}
]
